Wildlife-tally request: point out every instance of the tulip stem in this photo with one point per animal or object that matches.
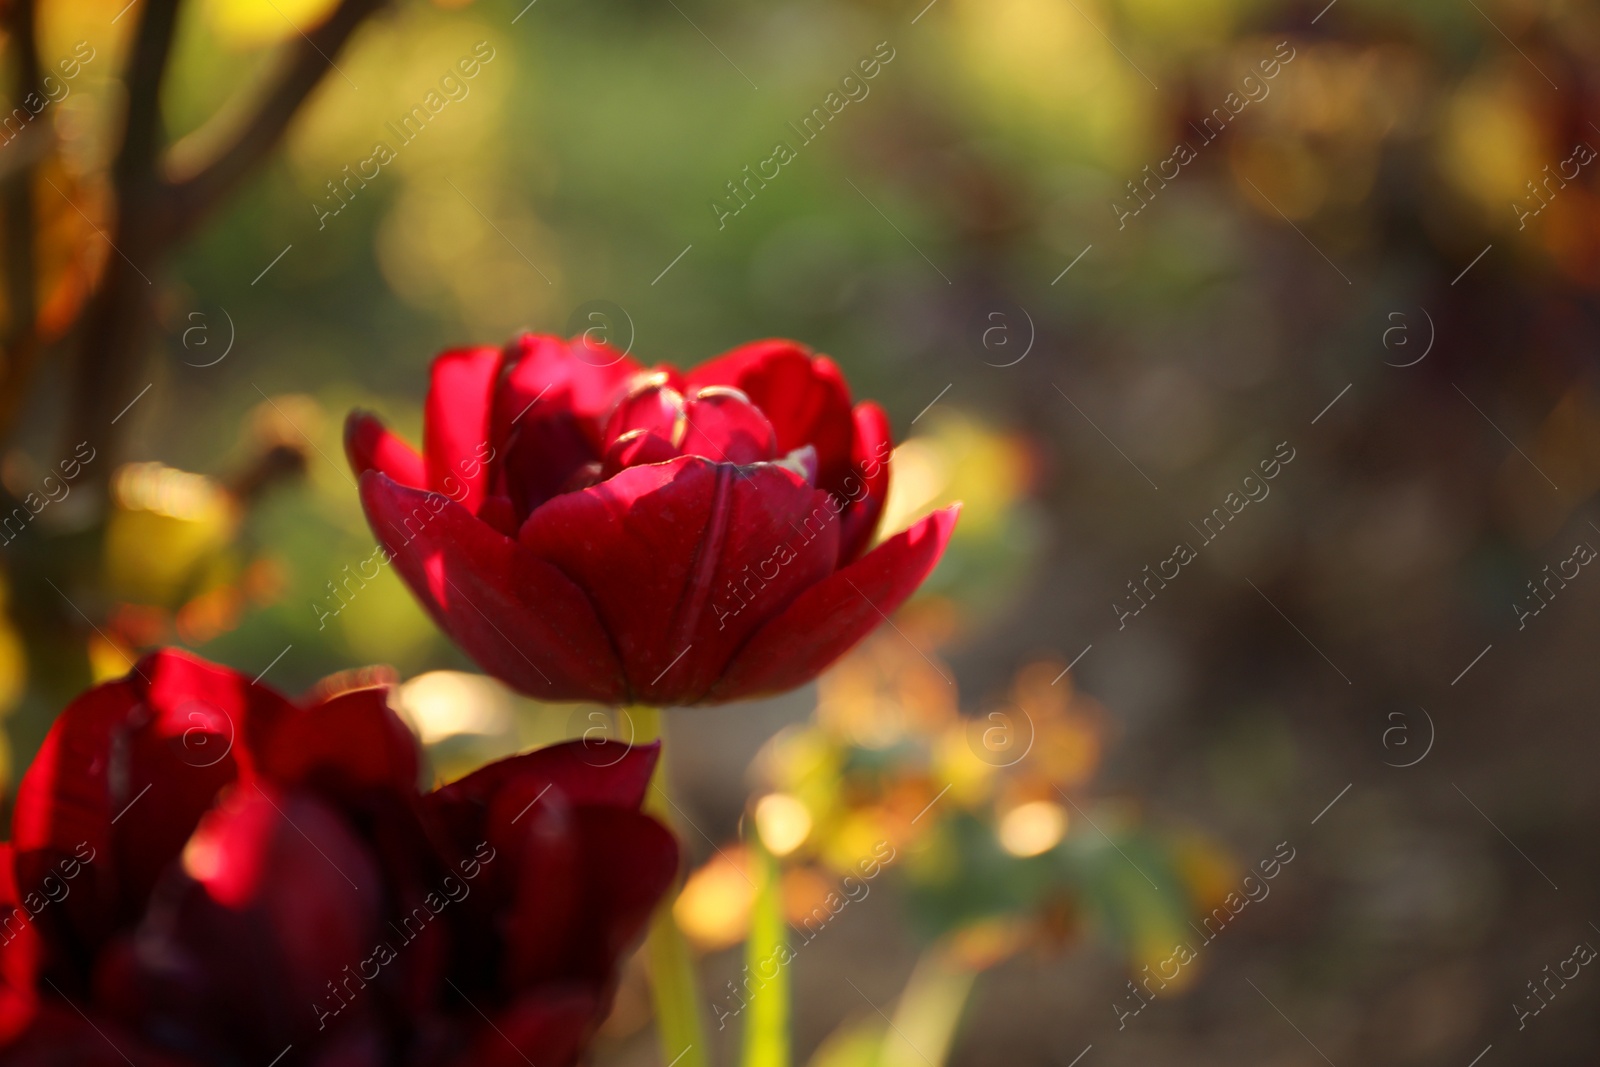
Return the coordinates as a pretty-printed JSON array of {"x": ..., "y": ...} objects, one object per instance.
[
  {"x": 673, "y": 986},
  {"x": 766, "y": 1027}
]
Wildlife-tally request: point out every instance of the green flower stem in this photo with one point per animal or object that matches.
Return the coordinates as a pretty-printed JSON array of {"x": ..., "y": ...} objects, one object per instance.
[
  {"x": 673, "y": 986},
  {"x": 766, "y": 1024}
]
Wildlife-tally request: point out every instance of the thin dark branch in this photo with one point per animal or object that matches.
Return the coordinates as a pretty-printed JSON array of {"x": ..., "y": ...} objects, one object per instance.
[
  {"x": 196, "y": 190},
  {"x": 21, "y": 340},
  {"x": 142, "y": 133},
  {"x": 119, "y": 315},
  {"x": 159, "y": 204}
]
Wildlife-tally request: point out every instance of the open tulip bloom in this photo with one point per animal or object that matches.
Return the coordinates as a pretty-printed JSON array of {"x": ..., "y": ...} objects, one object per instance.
[
  {"x": 589, "y": 529},
  {"x": 202, "y": 872}
]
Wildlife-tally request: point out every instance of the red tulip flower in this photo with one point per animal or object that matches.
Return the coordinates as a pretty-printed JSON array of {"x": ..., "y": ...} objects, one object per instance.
[
  {"x": 587, "y": 529},
  {"x": 202, "y": 872}
]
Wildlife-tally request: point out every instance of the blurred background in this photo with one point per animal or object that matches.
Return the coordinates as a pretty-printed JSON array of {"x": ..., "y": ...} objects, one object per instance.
[{"x": 1259, "y": 338}]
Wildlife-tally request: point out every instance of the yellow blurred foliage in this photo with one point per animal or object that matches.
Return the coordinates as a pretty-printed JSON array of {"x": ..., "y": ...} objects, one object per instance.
[
  {"x": 13, "y": 658},
  {"x": 166, "y": 529},
  {"x": 984, "y": 944},
  {"x": 1492, "y": 142},
  {"x": 108, "y": 660},
  {"x": 245, "y": 24},
  {"x": 1209, "y": 872},
  {"x": 958, "y": 459},
  {"x": 1040, "y": 63},
  {"x": 1187, "y": 25},
  {"x": 713, "y": 909},
  {"x": 783, "y": 821}
]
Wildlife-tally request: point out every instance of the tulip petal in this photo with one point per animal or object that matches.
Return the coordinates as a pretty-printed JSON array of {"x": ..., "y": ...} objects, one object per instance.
[
  {"x": 805, "y": 398},
  {"x": 549, "y": 412},
  {"x": 826, "y": 620},
  {"x": 19, "y": 955},
  {"x": 351, "y": 741},
  {"x": 371, "y": 446},
  {"x": 456, "y": 424},
  {"x": 275, "y": 897},
  {"x": 684, "y": 559},
  {"x": 723, "y": 425},
  {"x": 586, "y": 880},
  {"x": 649, "y": 404},
  {"x": 542, "y": 452},
  {"x": 500, "y": 514},
  {"x": 549, "y": 1028},
  {"x": 624, "y": 879},
  {"x": 65, "y": 796},
  {"x": 363, "y": 1043},
  {"x": 196, "y": 700},
  {"x": 512, "y": 827},
  {"x": 544, "y": 909},
  {"x": 522, "y": 619},
  {"x": 551, "y": 375},
  {"x": 636, "y": 447},
  {"x": 867, "y": 487},
  {"x": 61, "y": 1035},
  {"x": 598, "y": 773},
  {"x": 124, "y": 776}
]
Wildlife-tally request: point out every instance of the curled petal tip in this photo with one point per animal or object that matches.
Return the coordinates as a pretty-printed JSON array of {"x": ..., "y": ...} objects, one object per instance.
[{"x": 370, "y": 445}]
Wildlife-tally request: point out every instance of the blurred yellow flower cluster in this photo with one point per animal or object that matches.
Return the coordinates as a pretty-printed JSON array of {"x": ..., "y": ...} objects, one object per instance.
[
  {"x": 176, "y": 561},
  {"x": 994, "y": 841}
]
